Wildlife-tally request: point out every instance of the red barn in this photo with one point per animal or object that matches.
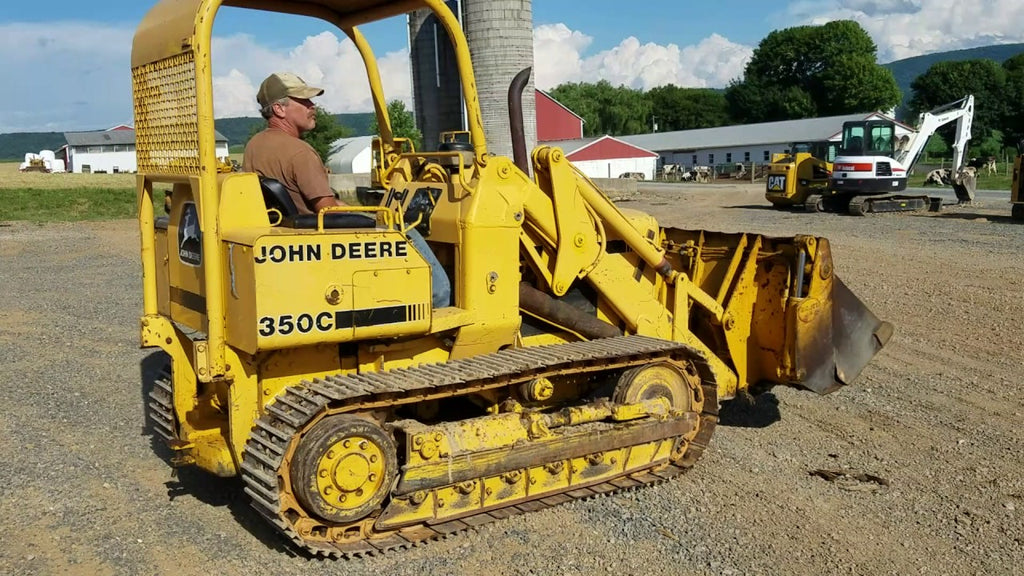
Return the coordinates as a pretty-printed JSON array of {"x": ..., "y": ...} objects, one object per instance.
[
  {"x": 555, "y": 121},
  {"x": 609, "y": 157}
]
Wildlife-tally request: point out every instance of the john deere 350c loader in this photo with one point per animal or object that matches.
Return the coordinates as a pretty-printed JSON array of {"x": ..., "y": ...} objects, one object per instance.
[{"x": 586, "y": 350}]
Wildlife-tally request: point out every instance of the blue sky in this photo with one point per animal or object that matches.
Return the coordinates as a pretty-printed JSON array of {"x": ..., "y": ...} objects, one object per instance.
[{"x": 71, "y": 57}]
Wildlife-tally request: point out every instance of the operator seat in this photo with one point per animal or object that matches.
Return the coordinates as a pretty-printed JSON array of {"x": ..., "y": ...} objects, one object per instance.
[
  {"x": 856, "y": 145},
  {"x": 465, "y": 150},
  {"x": 277, "y": 198}
]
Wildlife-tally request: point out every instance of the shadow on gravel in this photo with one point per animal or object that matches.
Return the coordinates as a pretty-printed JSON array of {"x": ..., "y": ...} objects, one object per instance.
[
  {"x": 756, "y": 412},
  {"x": 214, "y": 491},
  {"x": 768, "y": 207},
  {"x": 192, "y": 482},
  {"x": 975, "y": 216}
]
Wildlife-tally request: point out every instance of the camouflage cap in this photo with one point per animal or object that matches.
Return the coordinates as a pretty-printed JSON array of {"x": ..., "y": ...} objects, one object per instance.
[{"x": 281, "y": 84}]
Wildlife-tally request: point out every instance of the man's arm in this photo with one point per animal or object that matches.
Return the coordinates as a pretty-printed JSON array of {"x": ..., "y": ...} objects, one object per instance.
[
  {"x": 324, "y": 202},
  {"x": 311, "y": 178}
]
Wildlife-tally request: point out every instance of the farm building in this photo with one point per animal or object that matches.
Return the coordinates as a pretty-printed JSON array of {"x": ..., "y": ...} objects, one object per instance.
[
  {"x": 608, "y": 157},
  {"x": 350, "y": 155},
  {"x": 555, "y": 121},
  {"x": 749, "y": 143},
  {"x": 110, "y": 151}
]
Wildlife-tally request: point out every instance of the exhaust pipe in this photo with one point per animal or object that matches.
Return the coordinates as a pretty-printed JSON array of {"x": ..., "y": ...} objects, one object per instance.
[{"x": 515, "y": 119}]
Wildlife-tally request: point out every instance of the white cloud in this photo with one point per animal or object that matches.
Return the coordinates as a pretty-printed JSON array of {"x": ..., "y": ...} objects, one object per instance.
[
  {"x": 69, "y": 76},
  {"x": 712, "y": 62},
  {"x": 905, "y": 28},
  {"x": 324, "y": 60},
  {"x": 75, "y": 75}
]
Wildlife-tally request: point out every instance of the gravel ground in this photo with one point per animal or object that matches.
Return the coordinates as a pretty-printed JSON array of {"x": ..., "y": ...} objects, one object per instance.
[{"x": 937, "y": 415}]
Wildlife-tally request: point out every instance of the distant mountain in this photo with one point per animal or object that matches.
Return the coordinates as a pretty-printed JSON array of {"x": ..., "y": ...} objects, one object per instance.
[
  {"x": 15, "y": 145},
  {"x": 237, "y": 130},
  {"x": 908, "y": 69}
]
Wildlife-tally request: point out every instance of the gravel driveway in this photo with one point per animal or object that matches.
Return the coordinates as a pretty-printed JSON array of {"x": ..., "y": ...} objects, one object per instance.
[{"x": 930, "y": 434}]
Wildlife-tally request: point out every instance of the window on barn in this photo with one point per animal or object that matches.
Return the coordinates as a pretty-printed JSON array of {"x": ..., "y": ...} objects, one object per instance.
[
  {"x": 746, "y": 156},
  {"x": 728, "y": 156},
  {"x": 711, "y": 159},
  {"x": 94, "y": 149},
  {"x": 694, "y": 159},
  {"x": 766, "y": 157}
]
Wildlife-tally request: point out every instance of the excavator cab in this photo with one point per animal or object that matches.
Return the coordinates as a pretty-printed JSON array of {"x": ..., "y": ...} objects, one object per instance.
[
  {"x": 868, "y": 138},
  {"x": 586, "y": 350}
]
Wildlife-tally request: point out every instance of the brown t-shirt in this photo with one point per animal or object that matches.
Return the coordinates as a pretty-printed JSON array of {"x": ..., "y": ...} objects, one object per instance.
[{"x": 276, "y": 154}]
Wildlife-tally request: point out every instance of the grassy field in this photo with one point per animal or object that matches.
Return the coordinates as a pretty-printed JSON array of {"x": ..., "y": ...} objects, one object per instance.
[
  {"x": 1000, "y": 181},
  {"x": 40, "y": 197}
]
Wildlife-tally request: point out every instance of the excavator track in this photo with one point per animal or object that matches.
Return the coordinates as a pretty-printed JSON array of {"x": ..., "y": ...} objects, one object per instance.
[{"x": 267, "y": 457}]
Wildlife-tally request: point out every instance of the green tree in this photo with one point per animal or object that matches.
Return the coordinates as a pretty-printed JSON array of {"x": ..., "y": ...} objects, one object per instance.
[
  {"x": 1013, "y": 100},
  {"x": 937, "y": 147},
  {"x": 687, "y": 108},
  {"x": 808, "y": 71},
  {"x": 403, "y": 124},
  {"x": 607, "y": 109},
  {"x": 947, "y": 82},
  {"x": 327, "y": 130}
]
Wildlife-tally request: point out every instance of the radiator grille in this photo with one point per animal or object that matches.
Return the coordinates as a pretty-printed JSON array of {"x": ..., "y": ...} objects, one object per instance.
[{"x": 166, "y": 123}]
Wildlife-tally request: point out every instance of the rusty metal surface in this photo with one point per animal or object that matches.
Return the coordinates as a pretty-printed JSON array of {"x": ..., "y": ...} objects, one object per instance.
[{"x": 265, "y": 467}]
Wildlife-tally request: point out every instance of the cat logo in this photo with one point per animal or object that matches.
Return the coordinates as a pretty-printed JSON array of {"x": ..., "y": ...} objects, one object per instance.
[
  {"x": 776, "y": 183},
  {"x": 190, "y": 245}
]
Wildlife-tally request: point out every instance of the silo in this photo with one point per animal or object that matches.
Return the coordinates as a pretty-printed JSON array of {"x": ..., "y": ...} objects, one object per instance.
[
  {"x": 500, "y": 36},
  {"x": 436, "y": 90}
]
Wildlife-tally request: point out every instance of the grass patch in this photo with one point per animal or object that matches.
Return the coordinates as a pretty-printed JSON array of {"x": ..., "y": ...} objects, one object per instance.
[{"x": 69, "y": 205}]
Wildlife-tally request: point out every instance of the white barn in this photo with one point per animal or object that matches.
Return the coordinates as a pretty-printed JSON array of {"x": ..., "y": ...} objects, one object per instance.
[
  {"x": 748, "y": 143},
  {"x": 110, "y": 151},
  {"x": 608, "y": 157}
]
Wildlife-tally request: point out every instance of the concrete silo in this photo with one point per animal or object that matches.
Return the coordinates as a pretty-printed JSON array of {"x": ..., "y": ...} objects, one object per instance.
[{"x": 500, "y": 36}]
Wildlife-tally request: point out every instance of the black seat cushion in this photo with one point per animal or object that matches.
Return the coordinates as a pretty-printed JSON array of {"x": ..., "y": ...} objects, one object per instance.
[{"x": 276, "y": 197}]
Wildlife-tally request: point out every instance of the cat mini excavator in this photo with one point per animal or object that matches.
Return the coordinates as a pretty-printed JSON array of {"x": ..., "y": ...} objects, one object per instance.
[{"x": 585, "y": 351}]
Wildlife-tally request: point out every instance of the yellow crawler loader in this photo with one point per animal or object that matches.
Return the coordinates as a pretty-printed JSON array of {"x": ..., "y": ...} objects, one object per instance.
[
  {"x": 586, "y": 349},
  {"x": 800, "y": 177}
]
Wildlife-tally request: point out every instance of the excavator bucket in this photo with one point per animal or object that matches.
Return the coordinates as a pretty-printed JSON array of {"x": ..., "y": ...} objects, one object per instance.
[{"x": 964, "y": 186}]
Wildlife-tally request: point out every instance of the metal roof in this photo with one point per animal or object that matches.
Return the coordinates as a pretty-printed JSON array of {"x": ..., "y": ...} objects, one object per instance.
[
  {"x": 101, "y": 137},
  {"x": 344, "y": 151},
  {"x": 570, "y": 146},
  {"x": 787, "y": 131}
]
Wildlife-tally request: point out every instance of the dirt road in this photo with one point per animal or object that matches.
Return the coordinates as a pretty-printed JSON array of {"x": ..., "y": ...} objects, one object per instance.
[{"x": 938, "y": 416}]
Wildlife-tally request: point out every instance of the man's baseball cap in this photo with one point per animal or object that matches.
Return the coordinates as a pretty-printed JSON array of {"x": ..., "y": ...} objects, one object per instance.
[{"x": 281, "y": 84}]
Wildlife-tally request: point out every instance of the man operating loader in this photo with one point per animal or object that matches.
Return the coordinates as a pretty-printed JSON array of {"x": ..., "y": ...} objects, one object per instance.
[{"x": 279, "y": 152}]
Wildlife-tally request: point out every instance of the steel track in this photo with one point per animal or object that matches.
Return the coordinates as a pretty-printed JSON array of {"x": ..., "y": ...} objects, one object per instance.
[{"x": 266, "y": 461}]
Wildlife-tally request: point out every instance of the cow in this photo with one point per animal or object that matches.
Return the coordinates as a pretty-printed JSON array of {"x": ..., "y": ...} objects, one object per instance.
[
  {"x": 990, "y": 165},
  {"x": 940, "y": 177},
  {"x": 986, "y": 164},
  {"x": 633, "y": 175}
]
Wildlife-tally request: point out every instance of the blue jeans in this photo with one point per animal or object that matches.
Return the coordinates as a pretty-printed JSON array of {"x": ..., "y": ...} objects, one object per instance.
[{"x": 440, "y": 287}]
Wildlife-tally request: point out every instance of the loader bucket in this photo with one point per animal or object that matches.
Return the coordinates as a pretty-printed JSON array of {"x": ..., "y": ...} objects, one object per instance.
[
  {"x": 832, "y": 354},
  {"x": 788, "y": 318}
]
